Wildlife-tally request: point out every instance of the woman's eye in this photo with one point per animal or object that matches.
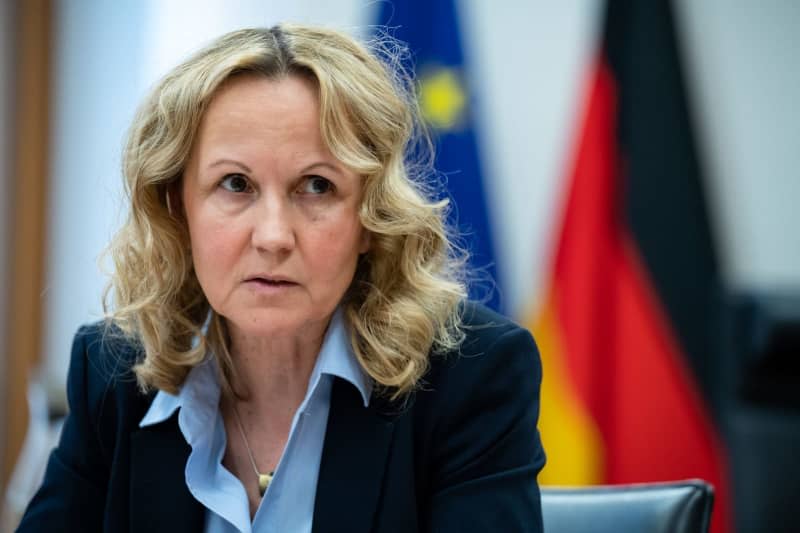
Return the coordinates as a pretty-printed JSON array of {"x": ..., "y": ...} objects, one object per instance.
[
  {"x": 235, "y": 183},
  {"x": 316, "y": 185}
]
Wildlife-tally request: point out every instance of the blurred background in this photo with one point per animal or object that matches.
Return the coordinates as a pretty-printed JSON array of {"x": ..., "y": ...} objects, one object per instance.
[{"x": 678, "y": 133}]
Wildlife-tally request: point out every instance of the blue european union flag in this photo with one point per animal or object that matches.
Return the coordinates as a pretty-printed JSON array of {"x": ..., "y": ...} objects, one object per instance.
[{"x": 430, "y": 27}]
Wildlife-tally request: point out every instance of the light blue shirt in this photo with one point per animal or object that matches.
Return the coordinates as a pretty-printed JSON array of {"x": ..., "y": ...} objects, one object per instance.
[{"x": 288, "y": 504}]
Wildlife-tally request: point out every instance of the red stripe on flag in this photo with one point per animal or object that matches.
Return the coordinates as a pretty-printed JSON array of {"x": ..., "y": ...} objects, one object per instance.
[{"x": 621, "y": 353}]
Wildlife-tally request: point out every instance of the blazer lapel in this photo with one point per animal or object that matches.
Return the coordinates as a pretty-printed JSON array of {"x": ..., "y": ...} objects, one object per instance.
[
  {"x": 357, "y": 442},
  {"x": 160, "y": 500}
]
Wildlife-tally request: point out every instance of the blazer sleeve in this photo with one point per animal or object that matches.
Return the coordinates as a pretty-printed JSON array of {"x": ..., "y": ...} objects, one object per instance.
[
  {"x": 490, "y": 454},
  {"x": 72, "y": 495}
]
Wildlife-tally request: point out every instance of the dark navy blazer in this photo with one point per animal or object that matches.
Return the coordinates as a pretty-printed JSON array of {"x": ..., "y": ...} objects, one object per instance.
[{"x": 462, "y": 454}]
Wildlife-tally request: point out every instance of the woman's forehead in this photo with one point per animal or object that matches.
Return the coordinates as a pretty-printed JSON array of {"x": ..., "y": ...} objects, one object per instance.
[
  {"x": 248, "y": 108},
  {"x": 259, "y": 120}
]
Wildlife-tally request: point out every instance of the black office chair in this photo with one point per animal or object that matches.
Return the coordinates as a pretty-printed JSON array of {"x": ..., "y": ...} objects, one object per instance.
[{"x": 672, "y": 507}]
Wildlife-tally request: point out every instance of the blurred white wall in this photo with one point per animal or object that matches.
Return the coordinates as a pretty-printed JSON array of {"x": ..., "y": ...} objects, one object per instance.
[
  {"x": 97, "y": 59},
  {"x": 742, "y": 62},
  {"x": 528, "y": 62},
  {"x": 176, "y": 28},
  {"x": 528, "y": 59}
]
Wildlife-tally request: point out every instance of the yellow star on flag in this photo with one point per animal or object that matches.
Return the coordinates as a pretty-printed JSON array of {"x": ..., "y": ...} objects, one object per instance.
[{"x": 442, "y": 98}]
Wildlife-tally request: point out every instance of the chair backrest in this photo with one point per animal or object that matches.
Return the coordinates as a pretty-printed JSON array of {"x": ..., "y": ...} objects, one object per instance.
[{"x": 671, "y": 507}]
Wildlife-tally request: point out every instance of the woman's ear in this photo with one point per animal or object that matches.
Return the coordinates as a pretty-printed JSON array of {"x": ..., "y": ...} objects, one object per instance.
[
  {"x": 366, "y": 241},
  {"x": 172, "y": 197}
]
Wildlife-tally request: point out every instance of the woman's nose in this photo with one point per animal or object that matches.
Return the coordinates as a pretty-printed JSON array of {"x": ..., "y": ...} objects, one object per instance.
[{"x": 273, "y": 229}]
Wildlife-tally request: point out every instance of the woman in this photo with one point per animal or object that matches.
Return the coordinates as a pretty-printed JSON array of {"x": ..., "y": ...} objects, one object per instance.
[{"x": 288, "y": 346}]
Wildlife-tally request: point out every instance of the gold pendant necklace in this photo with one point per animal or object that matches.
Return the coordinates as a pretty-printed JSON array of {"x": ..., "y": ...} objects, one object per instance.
[{"x": 263, "y": 479}]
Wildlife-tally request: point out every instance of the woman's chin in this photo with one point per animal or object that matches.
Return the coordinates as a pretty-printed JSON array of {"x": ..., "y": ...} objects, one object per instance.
[{"x": 277, "y": 323}]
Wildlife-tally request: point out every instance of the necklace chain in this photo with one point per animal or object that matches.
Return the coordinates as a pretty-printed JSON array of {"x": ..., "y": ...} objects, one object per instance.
[{"x": 263, "y": 479}]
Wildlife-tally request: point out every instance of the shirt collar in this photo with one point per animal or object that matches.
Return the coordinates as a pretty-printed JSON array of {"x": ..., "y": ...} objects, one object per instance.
[{"x": 336, "y": 358}]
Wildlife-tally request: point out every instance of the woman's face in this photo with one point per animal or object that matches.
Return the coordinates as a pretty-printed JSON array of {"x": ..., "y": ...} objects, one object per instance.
[{"x": 272, "y": 215}]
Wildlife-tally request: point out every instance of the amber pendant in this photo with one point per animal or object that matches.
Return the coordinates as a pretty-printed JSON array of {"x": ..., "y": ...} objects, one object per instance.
[{"x": 263, "y": 482}]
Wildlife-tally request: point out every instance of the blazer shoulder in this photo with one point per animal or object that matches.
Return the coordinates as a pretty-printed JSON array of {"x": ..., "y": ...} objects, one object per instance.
[
  {"x": 105, "y": 405},
  {"x": 483, "y": 327},
  {"x": 476, "y": 427},
  {"x": 496, "y": 353},
  {"x": 106, "y": 355},
  {"x": 493, "y": 345},
  {"x": 101, "y": 381}
]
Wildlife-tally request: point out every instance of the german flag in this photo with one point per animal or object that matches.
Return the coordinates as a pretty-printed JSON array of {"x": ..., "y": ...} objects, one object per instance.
[{"x": 625, "y": 331}]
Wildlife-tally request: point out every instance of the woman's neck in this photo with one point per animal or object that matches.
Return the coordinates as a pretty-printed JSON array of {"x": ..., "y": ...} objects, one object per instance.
[{"x": 274, "y": 371}]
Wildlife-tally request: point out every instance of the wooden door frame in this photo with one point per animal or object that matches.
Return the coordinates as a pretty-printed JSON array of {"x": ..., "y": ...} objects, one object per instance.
[{"x": 28, "y": 189}]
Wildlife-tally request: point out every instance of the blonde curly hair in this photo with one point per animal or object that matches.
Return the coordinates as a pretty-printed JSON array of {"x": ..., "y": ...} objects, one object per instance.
[{"x": 403, "y": 303}]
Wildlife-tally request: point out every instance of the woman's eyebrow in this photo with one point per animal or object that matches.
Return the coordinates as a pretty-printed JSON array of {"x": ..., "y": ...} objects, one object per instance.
[
  {"x": 323, "y": 164},
  {"x": 219, "y": 162}
]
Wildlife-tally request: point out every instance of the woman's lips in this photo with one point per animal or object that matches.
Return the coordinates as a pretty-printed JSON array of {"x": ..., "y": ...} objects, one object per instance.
[{"x": 269, "y": 286}]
